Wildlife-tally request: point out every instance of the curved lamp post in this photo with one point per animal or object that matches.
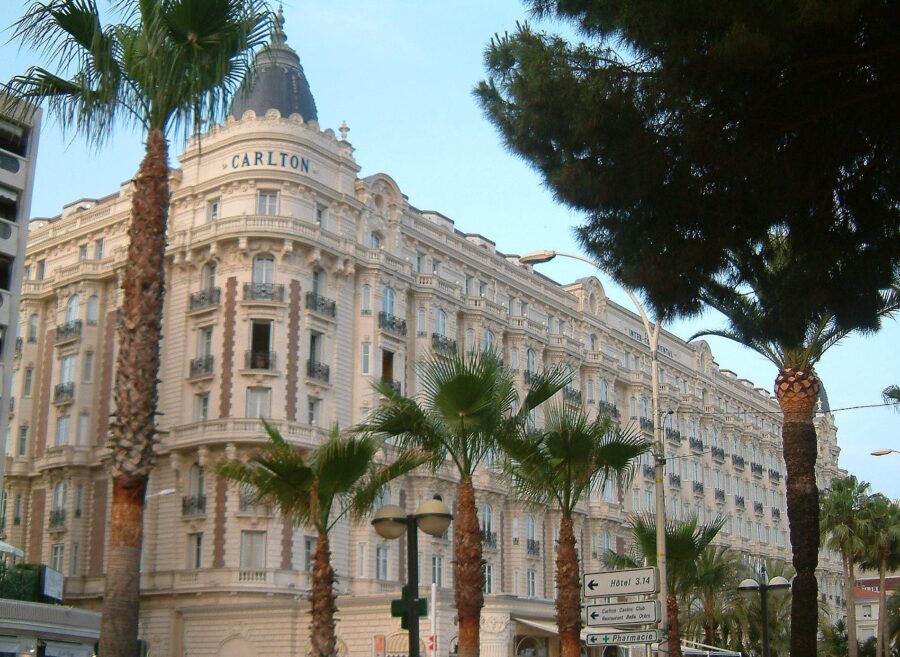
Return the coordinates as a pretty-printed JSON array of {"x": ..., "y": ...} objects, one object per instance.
[
  {"x": 390, "y": 521},
  {"x": 884, "y": 451},
  {"x": 751, "y": 586},
  {"x": 659, "y": 455}
]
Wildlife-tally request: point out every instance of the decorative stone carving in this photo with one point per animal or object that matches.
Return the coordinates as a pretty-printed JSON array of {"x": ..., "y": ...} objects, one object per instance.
[{"x": 494, "y": 623}]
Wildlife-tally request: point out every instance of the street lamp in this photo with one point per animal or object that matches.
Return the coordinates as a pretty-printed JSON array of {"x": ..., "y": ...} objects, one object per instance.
[
  {"x": 659, "y": 456},
  {"x": 751, "y": 586},
  {"x": 884, "y": 451},
  {"x": 432, "y": 517}
]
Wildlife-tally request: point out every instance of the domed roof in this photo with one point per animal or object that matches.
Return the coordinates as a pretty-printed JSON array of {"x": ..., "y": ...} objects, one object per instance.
[
  {"x": 276, "y": 81},
  {"x": 824, "y": 406}
]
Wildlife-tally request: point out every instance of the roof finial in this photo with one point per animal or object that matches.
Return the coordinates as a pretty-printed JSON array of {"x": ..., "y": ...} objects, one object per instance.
[{"x": 278, "y": 35}]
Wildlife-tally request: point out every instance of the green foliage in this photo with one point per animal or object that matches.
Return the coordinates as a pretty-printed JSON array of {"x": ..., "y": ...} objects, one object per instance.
[
  {"x": 840, "y": 520},
  {"x": 686, "y": 133},
  {"x": 21, "y": 582},
  {"x": 834, "y": 640}
]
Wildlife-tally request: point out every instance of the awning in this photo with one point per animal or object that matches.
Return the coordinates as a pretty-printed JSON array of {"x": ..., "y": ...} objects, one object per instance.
[
  {"x": 550, "y": 627},
  {"x": 11, "y": 549},
  {"x": 60, "y": 649}
]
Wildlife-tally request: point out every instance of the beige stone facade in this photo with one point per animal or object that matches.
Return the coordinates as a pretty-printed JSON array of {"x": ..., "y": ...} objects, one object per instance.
[{"x": 292, "y": 285}]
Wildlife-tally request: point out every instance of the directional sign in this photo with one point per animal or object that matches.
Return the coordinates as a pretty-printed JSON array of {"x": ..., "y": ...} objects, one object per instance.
[
  {"x": 620, "y": 638},
  {"x": 622, "y": 613},
  {"x": 620, "y": 582}
]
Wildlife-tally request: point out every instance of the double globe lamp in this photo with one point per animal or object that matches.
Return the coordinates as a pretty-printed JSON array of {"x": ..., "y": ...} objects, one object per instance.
[
  {"x": 763, "y": 587},
  {"x": 390, "y": 521}
]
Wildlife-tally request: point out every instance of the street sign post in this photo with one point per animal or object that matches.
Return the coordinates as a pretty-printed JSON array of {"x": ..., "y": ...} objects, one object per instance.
[
  {"x": 622, "y": 613},
  {"x": 612, "y": 583},
  {"x": 623, "y": 638}
]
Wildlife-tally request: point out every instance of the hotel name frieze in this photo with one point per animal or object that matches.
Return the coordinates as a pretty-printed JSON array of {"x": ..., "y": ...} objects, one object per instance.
[{"x": 280, "y": 159}]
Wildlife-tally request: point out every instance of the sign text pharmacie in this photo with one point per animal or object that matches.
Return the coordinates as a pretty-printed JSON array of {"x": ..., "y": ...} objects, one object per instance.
[
  {"x": 280, "y": 159},
  {"x": 621, "y": 638},
  {"x": 611, "y": 583}
]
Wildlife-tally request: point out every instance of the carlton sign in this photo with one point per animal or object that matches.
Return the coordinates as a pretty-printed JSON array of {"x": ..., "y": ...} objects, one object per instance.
[{"x": 279, "y": 159}]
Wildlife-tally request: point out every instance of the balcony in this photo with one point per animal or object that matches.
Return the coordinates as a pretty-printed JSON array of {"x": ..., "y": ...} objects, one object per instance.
[
  {"x": 64, "y": 393},
  {"x": 718, "y": 453},
  {"x": 776, "y": 513},
  {"x": 205, "y": 299},
  {"x": 720, "y": 495},
  {"x": 68, "y": 331},
  {"x": 394, "y": 385},
  {"x": 392, "y": 324},
  {"x": 443, "y": 344},
  {"x": 646, "y": 424},
  {"x": 321, "y": 305},
  {"x": 649, "y": 471},
  {"x": 756, "y": 469},
  {"x": 758, "y": 507},
  {"x": 674, "y": 435},
  {"x": 57, "y": 518},
  {"x": 318, "y": 371},
  {"x": 264, "y": 292},
  {"x": 695, "y": 444},
  {"x": 698, "y": 487},
  {"x": 489, "y": 540},
  {"x": 193, "y": 505},
  {"x": 533, "y": 547},
  {"x": 774, "y": 475},
  {"x": 737, "y": 461},
  {"x": 739, "y": 501},
  {"x": 571, "y": 395},
  {"x": 202, "y": 366},
  {"x": 259, "y": 360},
  {"x": 608, "y": 408},
  {"x": 530, "y": 377},
  {"x": 674, "y": 480}
]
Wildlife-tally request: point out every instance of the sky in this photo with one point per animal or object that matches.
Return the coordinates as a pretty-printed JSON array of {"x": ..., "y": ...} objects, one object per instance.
[{"x": 401, "y": 74}]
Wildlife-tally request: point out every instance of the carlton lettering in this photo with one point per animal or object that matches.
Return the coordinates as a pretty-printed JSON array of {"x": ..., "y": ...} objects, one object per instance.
[{"x": 270, "y": 159}]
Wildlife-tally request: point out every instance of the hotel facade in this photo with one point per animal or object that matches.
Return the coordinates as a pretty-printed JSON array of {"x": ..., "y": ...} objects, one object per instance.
[{"x": 292, "y": 285}]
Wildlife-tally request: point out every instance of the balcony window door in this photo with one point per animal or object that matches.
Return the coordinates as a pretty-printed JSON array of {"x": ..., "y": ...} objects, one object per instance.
[
  {"x": 264, "y": 270},
  {"x": 259, "y": 402},
  {"x": 529, "y": 527},
  {"x": 204, "y": 341},
  {"x": 32, "y": 327},
  {"x": 260, "y": 345},
  {"x": 208, "y": 275},
  {"x": 487, "y": 519},
  {"x": 253, "y": 549},
  {"x": 60, "y": 493},
  {"x": 387, "y": 301},
  {"x": 387, "y": 365},
  {"x": 93, "y": 310},
  {"x": 318, "y": 282},
  {"x": 67, "y": 369},
  {"x": 531, "y": 361},
  {"x": 63, "y": 424},
  {"x": 197, "y": 482},
  {"x": 267, "y": 202},
  {"x": 487, "y": 340},
  {"x": 440, "y": 324},
  {"x": 72, "y": 308}
]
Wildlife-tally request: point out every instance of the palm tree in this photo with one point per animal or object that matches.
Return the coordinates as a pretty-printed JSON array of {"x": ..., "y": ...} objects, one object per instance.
[
  {"x": 748, "y": 612},
  {"x": 757, "y": 302},
  {"x": 558, "y": 465},
  {"x": 318, "y": 489},
  {"x": 685, "y": 542},
  {"x": 714, "y": 593},
  {"x": 891, "y": 395},
  {"x": 467, "y": 406},
  {"x": 882, "y": 540},
  {"x": 841, "y": 524},
  {"x": 167, "y": 67},
  {"x": 893, "y": 620}
]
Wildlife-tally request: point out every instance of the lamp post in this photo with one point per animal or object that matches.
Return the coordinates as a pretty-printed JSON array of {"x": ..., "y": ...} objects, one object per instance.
[
  {"x": 884, "y": 451},
  {"x": 659, "y": 455},
  {"x": 432, "y": 517},
  {"x": 751, "y": 586}
]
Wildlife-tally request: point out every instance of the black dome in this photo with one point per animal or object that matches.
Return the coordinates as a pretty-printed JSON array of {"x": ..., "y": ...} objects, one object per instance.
[{"x": 276, "y": 81}]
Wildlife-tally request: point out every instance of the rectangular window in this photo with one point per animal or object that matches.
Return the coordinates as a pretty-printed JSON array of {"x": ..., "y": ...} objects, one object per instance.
[
  {"x": 253, "y": 549},
  {"x": 267, "y": 202},
  {"x": 313, "y": 408},
  {"x": 205, "y": 341},
  {"x": 309, "y": 552},
  {"x": 87, "y": 367},
  {"x": 79, "y": 499},
  {"x": 195, "y": 550},
  {"x": 437, "y": 570},
  {"x": 381, "y": 562},
  {"x": 531, "y": 579},
  {"x": 41, "y": 270},
  {"x": 56, "y": 557},
  {"x": 73, "y": 561},
  {"x": 23, "y": 441},
  {"x": 201, "y": 407},
  {"x": 83, "y": 431},
  {"x": 259, "y": 402},
  {"x": 360, "y": 559},
  {"x": 67, "y": 369},
  {"x": 62, "y": 430},
  {"x": 83, "y": 252},
  {"x": 488, "y": 578},
  {"x": 212, "y": 209},
  {"x": 98, "y": 249},
  {"x": 320, "y": 214},
  {"x": 515, "y": 582},
  {"x": 366, "y": 349}
]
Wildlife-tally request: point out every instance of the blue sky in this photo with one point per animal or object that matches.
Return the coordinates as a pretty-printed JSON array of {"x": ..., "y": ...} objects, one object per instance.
[{"x": 400, "y": 73}]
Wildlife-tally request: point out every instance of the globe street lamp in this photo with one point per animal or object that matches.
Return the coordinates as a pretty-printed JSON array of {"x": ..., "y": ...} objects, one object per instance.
[
  {"x": 659, "y": 452},
  {"x": 751, "y": 586},
  {"x": 432, "y": 517}
]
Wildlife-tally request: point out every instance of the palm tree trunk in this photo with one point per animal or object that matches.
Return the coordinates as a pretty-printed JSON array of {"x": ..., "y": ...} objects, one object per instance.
[
  {"x": 674, "y": 626},
  {"x": 322, "y": 601},
  {"x": 849, "y": 586},
  {"x": 881, "y": 641},
  {"x": 568, "y": 591},
  {"x": 468, "y": 569},
  {"x": 797, "y": 392},
  {"x": 709, "y": 633},
  {"x": 133, "y": 427}
]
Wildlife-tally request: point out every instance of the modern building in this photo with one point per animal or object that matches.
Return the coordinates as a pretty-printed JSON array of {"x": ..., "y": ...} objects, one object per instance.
[
  {"x": 292, "y": 285},
  {"x": 19, "y": 131}
]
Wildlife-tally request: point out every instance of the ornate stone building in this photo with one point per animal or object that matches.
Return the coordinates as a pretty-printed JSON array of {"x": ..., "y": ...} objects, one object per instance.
[{"x": 292, "y": 285}]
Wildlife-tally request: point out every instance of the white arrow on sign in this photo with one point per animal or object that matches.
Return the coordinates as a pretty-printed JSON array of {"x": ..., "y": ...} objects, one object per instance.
[
  {"x": 622, "y": 613},
  {"x": 620, "y": 638},
  {"x": 611, "y": 583}
]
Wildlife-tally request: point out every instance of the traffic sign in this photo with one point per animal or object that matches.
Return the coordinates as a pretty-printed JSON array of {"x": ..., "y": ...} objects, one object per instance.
[
  {"x": 620, "y": 638},
  {"x": 622, "y": 613},
  {"x": 611, "y": 583}
]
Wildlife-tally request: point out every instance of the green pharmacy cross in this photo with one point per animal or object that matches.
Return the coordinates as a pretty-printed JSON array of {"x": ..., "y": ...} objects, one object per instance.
[{"x": 399, "y": 607}]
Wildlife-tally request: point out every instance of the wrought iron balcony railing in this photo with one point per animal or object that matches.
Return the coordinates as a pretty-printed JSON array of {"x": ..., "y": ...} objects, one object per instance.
[
  {"x": 758, "y": 507},
  {"x": 739, "y": 501},
  {"x": 737, "y": 461},
  {"x": 263, "y": 292},
  {"x": 571, "y": 395},
  {"x": 321, "y": 305},
  {"x": 776, "y": 513},
  {"x": 649, "y": 471},
  {"x": 64, "y": 393},
  {"x": 774, "y": 475},
  {"x": 696, "y": 444},
  {"x": 392, "y": 324},
  {"x": 756, "y": 469},
  {"x": 698, "y": 487},
  {"x": 674, "y": 435},
  {"x": 205, "y": 298},
  {"x": 259, "y": 360},
  {"x": 68, "y": 331},
  {"x": 675, "y": 480},
  {"x": 646, "y": 424},
  {"x": 608, "y": 408},
  {"x": 193, "y": 505},
  {"x": 718, "y": 453},
  {"x": 530, "y": 377},
  {"x": 394, "y": 385},
  {"x": 720, "y": 495},
  {"x": 489, "y": 540},
  {"x": 533, "y": 547},
  {"x": 202, "y": 366},
  {"x": 57, "y": 518},
  {"x": 317, "y": 370},
  {"x": 443, "y": 343}
]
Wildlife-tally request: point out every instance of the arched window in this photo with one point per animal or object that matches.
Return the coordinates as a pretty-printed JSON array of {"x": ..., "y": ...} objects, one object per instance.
[
  {"x": 60, "y": 492},
  {"x": 387, "y": 301},
  {"x": 529, "y": 527},
  {"x": 487, "y": 519},
  {"x": 633, "y": 408},
  {"x": 470, "y": 339},
  {"x": 514, "y": 359},
  {"x": 594, "y": 342},
  {"x": 590, "y": 390},
  {"x": 208, "y": 275},
  {"x": 197, "y": 480},
  {"x": 32, "y": 327},
  {"x": 264, "y": 269},
  {"x": 93, "y": 309},
  {"x": 487, "y": 340},
  {"x": 375, "y": 240},
  {"x": 440, "y": 324},
  {"x": 531, "y": 359},
  {"x": 366, "y": 300},
  {"x": 644, "y": 411},
  {"x": 72, "y": 308},
  {"x": 715, "y": 437},
  {"x": 604, "y": 390}
]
